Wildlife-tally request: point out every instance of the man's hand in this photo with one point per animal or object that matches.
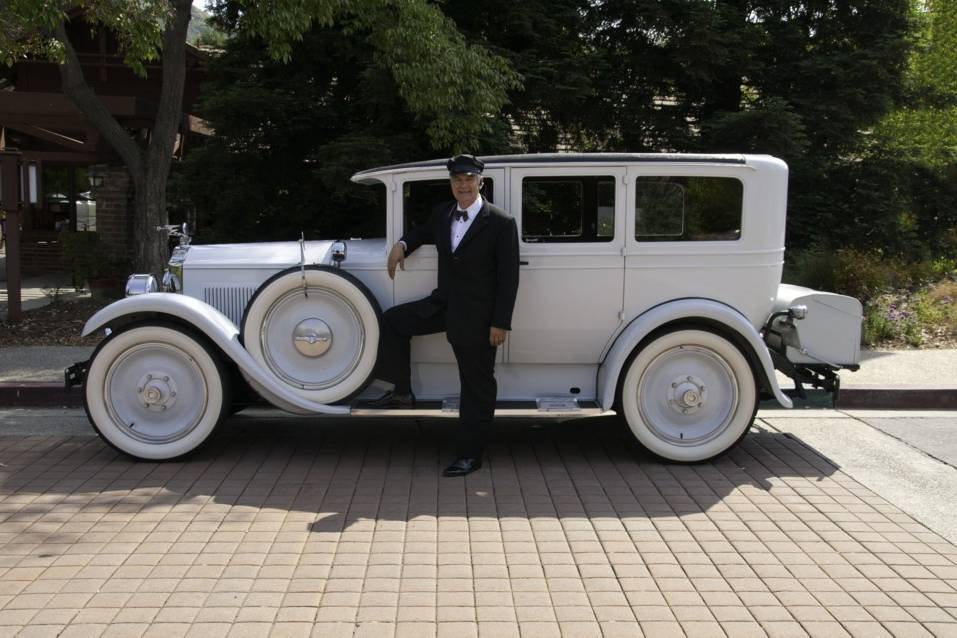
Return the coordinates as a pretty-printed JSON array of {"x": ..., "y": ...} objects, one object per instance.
[
  {"x": 496, "y": 336},
  {"x": 396, "y": 258}
]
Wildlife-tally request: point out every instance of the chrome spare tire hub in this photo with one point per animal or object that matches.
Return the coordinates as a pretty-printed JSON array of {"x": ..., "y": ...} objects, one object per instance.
[{"x": 312, "y": 337}]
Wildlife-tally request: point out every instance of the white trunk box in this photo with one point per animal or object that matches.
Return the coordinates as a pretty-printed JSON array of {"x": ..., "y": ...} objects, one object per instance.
[{"x": 831, "y": 332}]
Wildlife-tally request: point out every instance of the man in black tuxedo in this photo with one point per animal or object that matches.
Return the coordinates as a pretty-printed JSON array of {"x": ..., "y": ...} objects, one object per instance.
[{"x": 477, "y": 245}]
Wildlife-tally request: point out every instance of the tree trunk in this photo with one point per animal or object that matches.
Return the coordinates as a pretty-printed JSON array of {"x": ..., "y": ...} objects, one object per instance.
[
  {"x": 149, "y": 215},
  {"x": 149, "y": 168}
]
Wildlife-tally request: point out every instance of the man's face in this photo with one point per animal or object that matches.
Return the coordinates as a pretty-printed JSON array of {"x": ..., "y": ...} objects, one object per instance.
[{"x": 465, "y": 188}]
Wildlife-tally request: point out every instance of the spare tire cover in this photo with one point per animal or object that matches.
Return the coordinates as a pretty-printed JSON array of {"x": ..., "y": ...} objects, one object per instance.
[{"x": 317, "y": 330}]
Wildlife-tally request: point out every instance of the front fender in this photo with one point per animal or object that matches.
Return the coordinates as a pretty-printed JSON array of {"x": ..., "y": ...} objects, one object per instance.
[
  {"x": 218, "y": 328},
  {"x": 682, "y": 310}
]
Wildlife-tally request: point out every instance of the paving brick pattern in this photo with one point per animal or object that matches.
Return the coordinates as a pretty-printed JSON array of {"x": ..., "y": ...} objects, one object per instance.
[{"x": 347, "y": 529}]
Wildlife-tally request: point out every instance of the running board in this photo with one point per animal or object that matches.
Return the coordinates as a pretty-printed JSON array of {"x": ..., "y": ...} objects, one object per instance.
[{"x": 547, "y": 407}]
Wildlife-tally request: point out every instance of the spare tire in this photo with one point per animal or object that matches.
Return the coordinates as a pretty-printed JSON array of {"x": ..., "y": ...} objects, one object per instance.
[{"x": 316, "y": 330}]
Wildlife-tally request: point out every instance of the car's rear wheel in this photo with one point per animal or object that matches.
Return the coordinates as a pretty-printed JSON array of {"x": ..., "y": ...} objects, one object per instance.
[
  {"x": 316, "y": 330},
  {"x": 155, "y": 391},
  {"x": 689, "y": 395}
]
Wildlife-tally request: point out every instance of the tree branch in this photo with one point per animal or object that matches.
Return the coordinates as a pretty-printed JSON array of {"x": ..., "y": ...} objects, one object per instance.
[
  {"x": 170, "y": 110},
  {"x": 81, "y": 94}
]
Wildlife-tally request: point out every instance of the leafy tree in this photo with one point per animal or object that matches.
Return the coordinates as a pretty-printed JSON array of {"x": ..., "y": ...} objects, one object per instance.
[
  {"x": 800, "y": 80},
  {"x": 439, "y": 76},
  {"x": 288, "y": 137},
  {"x": 560, "y": 103},
  {"x": 915, "y": 145}
]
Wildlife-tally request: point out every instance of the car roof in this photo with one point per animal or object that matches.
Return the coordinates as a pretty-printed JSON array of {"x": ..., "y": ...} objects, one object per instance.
[{"x": 548, "y": 159}]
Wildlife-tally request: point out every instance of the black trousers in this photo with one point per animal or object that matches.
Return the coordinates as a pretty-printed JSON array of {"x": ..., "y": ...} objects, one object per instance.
[{"x": 476, "y": 370}]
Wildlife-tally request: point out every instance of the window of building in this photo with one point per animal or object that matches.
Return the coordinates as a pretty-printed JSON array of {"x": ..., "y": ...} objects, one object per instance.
[
  {"x": 568, "y": 209},
  {"x": 688, "y": 208},
  {"x": 420, "y": 197}
]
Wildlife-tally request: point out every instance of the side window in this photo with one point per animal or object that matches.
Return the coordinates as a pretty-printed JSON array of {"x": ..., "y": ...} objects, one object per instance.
[
  {"x": 688, "y": 208},
  {"x": 420, "y": 197},
  {"x": 568, "y": 209}
]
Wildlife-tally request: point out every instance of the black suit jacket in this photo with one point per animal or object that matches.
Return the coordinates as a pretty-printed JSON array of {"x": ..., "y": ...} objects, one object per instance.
[{"x": 478, "y": 282}]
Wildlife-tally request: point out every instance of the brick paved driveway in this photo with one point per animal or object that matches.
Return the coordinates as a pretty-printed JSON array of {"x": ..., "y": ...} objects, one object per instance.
[{"x": 345, "y": 528}]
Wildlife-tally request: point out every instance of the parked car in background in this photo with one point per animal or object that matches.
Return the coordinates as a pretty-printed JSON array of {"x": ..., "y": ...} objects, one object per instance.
[{"x": 650, "y": 285}]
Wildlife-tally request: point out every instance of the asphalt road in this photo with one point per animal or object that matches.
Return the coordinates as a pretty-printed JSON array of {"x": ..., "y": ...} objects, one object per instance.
[{"x": 909, "y": 458}]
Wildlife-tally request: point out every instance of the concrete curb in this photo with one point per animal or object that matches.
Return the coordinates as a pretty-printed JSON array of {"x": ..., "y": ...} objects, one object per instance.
[
  {"x": 899, "y": 398},
  {"x": 39, "y": 394},
  {"x": 49, "y": 394}
]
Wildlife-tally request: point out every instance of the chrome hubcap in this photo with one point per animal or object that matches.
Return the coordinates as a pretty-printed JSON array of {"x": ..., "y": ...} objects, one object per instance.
[
  {"x": 291, "y": 345},
  {"x": 312, "y": 337},
  {"x": 157, "y": 391},
  {"x": 687, "y": 394}
]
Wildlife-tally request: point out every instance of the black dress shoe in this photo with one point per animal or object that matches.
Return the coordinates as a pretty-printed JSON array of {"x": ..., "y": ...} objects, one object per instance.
[
  {"x": 391, "y": 401},
  {"x": 462, "y": 466}
]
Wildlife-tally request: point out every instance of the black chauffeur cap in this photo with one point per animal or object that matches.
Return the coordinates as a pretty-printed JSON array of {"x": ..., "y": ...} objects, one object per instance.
[{"x": 465, "y": 164}]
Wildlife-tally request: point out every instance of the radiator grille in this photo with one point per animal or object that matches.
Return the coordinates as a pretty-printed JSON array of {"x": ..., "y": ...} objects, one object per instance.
[{"x": 229, "y": 300}]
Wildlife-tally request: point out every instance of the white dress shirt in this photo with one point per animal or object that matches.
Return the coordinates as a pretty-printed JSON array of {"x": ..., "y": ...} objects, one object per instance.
[{"x": 461, "y": 226}]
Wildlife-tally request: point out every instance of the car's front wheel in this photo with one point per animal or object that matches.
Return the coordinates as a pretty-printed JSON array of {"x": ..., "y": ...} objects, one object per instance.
[
  {"x": 689, "y": 395},
  {"x": 155, "y": 391}
]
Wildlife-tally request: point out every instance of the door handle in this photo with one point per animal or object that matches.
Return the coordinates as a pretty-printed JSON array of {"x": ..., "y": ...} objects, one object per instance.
[{"x": 522, "y": 263}]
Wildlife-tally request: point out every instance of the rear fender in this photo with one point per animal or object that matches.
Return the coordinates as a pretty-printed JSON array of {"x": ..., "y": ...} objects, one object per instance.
[
  {"x": 217, "y": 327},
  {"x": 704, "y": 311}
]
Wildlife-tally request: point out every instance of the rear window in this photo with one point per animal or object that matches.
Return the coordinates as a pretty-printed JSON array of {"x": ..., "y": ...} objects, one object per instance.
[{"x": 688, "y": 208}]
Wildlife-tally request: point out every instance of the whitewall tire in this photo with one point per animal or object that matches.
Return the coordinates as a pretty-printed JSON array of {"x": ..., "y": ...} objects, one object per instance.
[
  {"x": 689, "y": 395},
  {"x": 317, "y": 331},
  {"x": 155, "y": 392}
]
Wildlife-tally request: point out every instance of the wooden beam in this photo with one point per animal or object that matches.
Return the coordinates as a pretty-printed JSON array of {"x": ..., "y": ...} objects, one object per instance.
[
  {"x": 24, "y": 103},
  {"x": 61, "y": 157},
  {"x": 50, "y": 136}
]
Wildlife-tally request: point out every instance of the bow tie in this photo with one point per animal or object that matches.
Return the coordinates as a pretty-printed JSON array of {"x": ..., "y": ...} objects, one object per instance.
[{"x": 461, "y": 214}]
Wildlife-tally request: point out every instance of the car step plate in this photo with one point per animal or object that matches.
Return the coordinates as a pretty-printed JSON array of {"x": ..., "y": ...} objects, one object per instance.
[
  {"x": 557, "y": 404},
  {"x": 448, "y": 407}
]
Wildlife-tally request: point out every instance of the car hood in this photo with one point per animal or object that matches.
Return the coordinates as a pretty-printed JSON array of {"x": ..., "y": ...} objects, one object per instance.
[
  {"x": 279, "y": 254},
  {"x": 255, "y": 255}
]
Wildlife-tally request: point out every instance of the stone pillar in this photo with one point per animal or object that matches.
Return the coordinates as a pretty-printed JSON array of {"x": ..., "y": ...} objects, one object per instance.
[{"x": 114, "y": 213}]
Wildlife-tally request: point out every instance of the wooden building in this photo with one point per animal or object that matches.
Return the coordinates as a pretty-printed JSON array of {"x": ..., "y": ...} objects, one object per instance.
[{"x": 70, "y": 179}]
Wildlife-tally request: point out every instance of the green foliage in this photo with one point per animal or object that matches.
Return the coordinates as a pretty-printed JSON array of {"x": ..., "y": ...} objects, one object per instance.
[
  {"x": 449, "y": 85},
  {"x": 30, "y": 27},
  {"x": 562, "y": 101},
  {"x": 864, "y": 274},
  {"x": 86, "y": 259},
  {"x": 290, "y": 135}
]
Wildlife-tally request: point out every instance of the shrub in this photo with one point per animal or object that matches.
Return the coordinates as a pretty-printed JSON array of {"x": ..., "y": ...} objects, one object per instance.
[
  {"x": 863, "y": 274},
  {"x": 848, "y": 271}
]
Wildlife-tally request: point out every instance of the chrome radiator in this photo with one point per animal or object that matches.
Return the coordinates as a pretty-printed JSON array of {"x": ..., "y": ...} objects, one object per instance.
[{"x": 229, "y": 300}]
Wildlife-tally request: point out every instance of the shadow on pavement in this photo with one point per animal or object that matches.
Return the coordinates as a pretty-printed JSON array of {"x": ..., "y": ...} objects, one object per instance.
[{"x": 335, "y": 475}]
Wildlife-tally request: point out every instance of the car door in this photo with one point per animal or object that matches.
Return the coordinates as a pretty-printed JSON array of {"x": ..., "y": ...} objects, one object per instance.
[
  {"x": 571, "y": 232},
  {"x": 415, "y": 195}
]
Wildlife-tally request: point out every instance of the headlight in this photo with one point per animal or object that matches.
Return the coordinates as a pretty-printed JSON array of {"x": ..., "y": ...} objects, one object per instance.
[
  {"x": 173, "y": 277},
  {"x": 140, "y": 285}
]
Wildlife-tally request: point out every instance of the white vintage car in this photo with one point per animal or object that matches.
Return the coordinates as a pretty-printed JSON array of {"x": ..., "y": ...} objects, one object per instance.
[{"x": 650, "y": 285}]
